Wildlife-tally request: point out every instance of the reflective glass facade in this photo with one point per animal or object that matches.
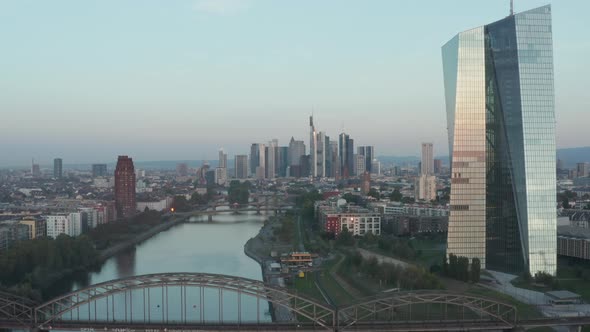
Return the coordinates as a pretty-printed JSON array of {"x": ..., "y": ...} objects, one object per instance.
[{"x": 501, "y": 123}]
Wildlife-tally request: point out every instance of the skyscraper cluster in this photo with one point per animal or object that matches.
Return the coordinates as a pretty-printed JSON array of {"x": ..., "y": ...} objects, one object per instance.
[{"x": 326, "y": 158}]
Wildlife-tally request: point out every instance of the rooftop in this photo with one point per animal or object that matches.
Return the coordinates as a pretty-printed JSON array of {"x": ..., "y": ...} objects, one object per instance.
[
  {"x": 573, "y": 231},
  {"x": 562, "y": 295}
]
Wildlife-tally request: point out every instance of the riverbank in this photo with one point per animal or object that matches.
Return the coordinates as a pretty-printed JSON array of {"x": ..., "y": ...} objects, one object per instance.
[
  {"x": 260, "y": 248},
  {"x": 119, "y": 247},
  {"x": 47, "y": 288}
]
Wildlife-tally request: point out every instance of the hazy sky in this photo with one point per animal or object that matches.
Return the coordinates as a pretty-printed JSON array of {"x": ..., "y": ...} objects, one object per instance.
[{"x": 88, "y": 80}]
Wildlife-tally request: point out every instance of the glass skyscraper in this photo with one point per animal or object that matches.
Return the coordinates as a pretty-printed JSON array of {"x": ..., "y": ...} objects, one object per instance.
[{"x": 501, "y": 122}]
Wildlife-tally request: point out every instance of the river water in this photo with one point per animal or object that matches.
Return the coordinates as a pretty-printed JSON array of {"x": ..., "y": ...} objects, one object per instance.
[{"x": 197, "y": 246}]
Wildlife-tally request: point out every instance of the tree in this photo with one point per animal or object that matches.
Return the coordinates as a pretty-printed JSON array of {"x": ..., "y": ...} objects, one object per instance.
[
  {"x": 374, "y": 193},
  {"x": 475, "y": 270},
  {"x": 566, "y": 203},
  {"x": 396, "y": 196},
  {"x": 453, "y": 266},
  {"x": 463, "y": 268},
  {"x": 408, "y": 200},
  {"x": 445, "y": 266},
  {"x": 345, "y": 238}
]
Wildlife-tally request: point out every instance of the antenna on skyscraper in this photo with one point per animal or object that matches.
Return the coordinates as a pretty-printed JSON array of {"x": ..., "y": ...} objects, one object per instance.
[{"x": 511, "y": 7}]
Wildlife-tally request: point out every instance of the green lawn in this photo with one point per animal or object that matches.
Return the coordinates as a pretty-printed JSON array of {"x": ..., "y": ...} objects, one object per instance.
[
  {"x": 338, "y": 294},
  {"x": 306, "y": 286},
  {"x": 524, "y": 310}
]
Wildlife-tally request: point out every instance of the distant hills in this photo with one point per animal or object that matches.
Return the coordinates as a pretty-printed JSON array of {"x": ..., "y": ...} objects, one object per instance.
[{"x": 570, "y": 156}]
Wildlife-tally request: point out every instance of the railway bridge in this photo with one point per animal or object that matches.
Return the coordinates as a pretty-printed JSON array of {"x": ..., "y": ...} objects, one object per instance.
[{"x": 202, "y": 301}]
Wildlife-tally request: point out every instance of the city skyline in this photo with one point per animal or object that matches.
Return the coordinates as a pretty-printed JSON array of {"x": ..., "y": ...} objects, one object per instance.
[{"x": 368, "y": 91}]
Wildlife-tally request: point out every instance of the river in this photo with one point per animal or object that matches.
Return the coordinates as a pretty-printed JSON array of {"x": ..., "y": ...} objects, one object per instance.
[{"x": 197, "y": 246}]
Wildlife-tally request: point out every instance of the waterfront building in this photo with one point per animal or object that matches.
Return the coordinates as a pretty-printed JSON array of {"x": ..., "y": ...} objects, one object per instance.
[
  {"x": 35, "y": 226},
  {"x": 57, "y": 168},
  {"x": 125, "y": 187},
  {"x": 241, "y": 166},
  {"x": 501, "y": 123},
  {"x": 64, "y": 223},
  {"x": 99, "y": 170}
]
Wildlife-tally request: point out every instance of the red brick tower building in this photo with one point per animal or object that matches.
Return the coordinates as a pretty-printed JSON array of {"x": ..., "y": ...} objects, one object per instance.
[{"x": 125, "y": 188}]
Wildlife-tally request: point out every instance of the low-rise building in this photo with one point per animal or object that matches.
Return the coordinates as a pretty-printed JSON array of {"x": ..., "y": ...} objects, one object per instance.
[
  {"x": 65, "y": 223},
  {"x": 357, "y": 220},
  {"x": 573, "y": 241}
]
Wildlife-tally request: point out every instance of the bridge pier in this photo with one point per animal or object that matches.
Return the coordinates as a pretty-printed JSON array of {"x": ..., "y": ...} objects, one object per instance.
[{"x": 210, "y": 218}]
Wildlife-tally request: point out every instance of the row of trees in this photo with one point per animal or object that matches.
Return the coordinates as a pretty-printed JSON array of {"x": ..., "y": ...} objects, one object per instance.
[
  {"x": 457, "y": 267},
  {"x": 35, "y": 263},
  {"x": 392, "y": 275}
]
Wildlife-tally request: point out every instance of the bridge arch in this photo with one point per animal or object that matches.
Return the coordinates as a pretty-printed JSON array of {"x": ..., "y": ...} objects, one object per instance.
[
  {"x": 16, "y": 309},
  {"x": 395, "y": 308},
  {"x": 51, "y": 312}
]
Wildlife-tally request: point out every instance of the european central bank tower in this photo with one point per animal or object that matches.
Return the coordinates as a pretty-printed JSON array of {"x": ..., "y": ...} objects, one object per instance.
[{"x": 501, "y": 122}]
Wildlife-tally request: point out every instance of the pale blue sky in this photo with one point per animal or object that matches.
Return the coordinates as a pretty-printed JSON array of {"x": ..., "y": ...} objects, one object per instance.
[{"x": 163, "y": 79}]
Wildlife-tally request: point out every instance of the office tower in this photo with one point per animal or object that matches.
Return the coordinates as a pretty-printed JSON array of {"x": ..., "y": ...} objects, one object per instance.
[
  {"x": 304, "y": 166},
  {"x": 425, "y": 187},
  {"x": 99, "y": 170},
  {"x": 254, "y": 158},
  {"x": 270, "y": 160},
  {"x": 501, "y": 122},
  {"x": 560, "y": 164},
  {"x": 582, "y": 169},
  {"x": 296, "y": 150},
  {"x": 222, "y": 159},
  {"x": 369, "y": 153},
  {"x": 241, "y": 166},
  {"x": 437, "y": 166},
  {"x": 427, "y": 161},
  {"x": 359, "y": 164},
  {"x": 182, "y": 169},
  {"x": 283, "y": 161},
  {"x": 220, "y": 175},
  {"x": 346, "y": 154},
  {"x": 313, "y": 148},
  {"x": 57, "y": 168},
  {"x": 320, "y": 169},
  {"x": 334, "y": 171},
  {"x": 35, "y": 169},
  {"x": 376, "y": 167},
  {"x": 125, "y": 187},
  {"x": 365, "y": 182},
  {"x": 258, "y": 160}
]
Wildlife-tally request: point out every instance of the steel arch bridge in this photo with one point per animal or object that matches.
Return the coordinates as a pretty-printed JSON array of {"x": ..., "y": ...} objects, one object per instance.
[
  {"x": 399, "y": 311},
  {"x": 429, "y": 306},
  {"x": 16, "y": 310},
  {"x": 70, "y": 304}
]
